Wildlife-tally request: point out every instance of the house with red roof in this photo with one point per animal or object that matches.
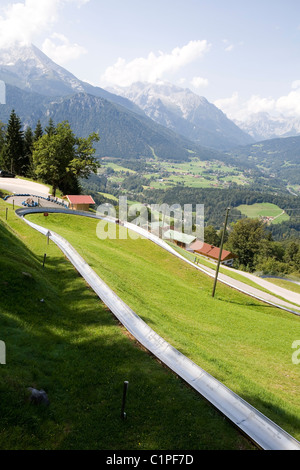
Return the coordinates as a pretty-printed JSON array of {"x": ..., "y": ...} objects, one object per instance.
[
  {"x": 80, "y": 203},
  {"x": 212, "y": 252}
]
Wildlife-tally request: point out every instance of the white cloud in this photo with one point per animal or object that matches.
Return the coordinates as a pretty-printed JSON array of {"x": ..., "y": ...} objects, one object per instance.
[
  {"x": 286, "y": 105},
  {"x": 237, "y": 109},
  {"x": 229, "y": 106},
  {"x": 289, "y": 104},
  {"x": 63, "y": 51},
  {"x": 296, "y": 84},
  {"x": 228, "y": 46},
  {"x": 256, "y": 104},
  {"x": 199, "y": 82},
  {"x": 21, "y": 22},
  {"x": 155, "y": 66},
  {"x": 181, "y": 82}
]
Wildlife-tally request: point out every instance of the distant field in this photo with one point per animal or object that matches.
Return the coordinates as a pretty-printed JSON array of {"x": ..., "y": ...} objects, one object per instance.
[
  {"x": 199, "y": 174},
  {"x": 294, "y": 189},
  {"x": 109, "y": 196},
  {"x": 193, "y": 174},
  {"x": 264, "y": 210},
  {"x": 119, "y": 168}
]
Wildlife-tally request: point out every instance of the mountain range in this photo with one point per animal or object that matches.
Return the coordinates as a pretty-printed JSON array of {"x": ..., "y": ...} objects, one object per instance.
[
  {"x": 145, "y": 120},
  {"x": 274, "y": 158},
  {"x": 263, "y": 126},
  {"x": 38, "y": 88},
  {"x": 123, "y": 134},
  {"x": 29, "y": 69},
  {"x": 186, "y": 113}
]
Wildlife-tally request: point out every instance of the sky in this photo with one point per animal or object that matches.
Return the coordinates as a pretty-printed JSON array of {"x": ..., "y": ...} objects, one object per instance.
[{"x": 242, "y": 55}]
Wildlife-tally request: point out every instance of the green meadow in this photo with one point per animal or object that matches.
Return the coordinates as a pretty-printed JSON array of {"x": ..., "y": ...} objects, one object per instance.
[
  {"x": 264, "y": 210},
  {"x": 193, "y": 174},
  {"x": 61, "y": 338},
  {"x": 244, "y": 343}
]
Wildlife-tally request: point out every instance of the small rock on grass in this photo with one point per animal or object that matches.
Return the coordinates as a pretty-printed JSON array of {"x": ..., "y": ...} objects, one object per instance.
[{"x": 38, "y": 397}]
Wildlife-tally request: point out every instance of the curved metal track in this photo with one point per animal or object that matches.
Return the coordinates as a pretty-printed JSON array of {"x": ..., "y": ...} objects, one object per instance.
[
  {"x": 265, "y": 433},
  {"x": 158, "y": 241}
]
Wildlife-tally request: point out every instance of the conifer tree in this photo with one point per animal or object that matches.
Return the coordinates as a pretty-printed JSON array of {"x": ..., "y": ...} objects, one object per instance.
[
  {"x": 2, "y": 141},
  {"x": 50, "y": 129},
  {"x": 28, "y": 148},
  {"x": 38, "y": 132},
  {"x": 13, "y": 152}
]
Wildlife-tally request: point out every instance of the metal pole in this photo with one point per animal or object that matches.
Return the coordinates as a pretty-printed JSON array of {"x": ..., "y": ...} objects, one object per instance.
[
  {"x": 220, "y": 254},
  {"x": 45, "y": 255},
  {"x": 163, "y": 223},
  {"x": 6, "y": 213},
  {"x": 125, "y": 389}
]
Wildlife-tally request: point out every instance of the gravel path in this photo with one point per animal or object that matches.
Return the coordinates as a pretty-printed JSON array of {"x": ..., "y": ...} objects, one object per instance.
[
  {"x": 19, "y": 186},
  {"x": 286, "y": 294},
  {"x": 17, "y": 201}
]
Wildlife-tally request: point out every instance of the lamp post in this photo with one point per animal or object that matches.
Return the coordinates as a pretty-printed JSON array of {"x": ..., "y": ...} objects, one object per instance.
[{"x": 220, "y": 254}]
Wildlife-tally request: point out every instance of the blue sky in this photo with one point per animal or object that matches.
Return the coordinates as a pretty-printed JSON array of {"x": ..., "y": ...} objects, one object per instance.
[{"x": 241, "y": 55}]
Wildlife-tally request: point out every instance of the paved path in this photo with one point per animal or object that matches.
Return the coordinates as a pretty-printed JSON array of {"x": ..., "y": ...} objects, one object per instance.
[
  {"x": 17, "y": 201},
  {"x": 19, "y": 186},
  {"x": 281, "y": 291},
  {"x": 267, "y": 434},
  {"x": 286, "y": 294}
]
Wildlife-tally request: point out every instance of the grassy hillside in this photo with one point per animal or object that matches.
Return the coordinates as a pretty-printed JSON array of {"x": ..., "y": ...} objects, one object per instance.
[
  {"x": 123, "y": 132},
  {"x": 243, "y": 343},
  {"x": 71, "y": 346},
  {"x": 264, "y": 210},
  {"x": 277, "y": 158}
]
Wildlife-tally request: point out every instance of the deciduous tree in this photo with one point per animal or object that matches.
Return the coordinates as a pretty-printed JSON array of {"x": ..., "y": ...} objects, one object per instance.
[
  {"x": 60, "y": 158},
  {"x": 245, "y": 240}
]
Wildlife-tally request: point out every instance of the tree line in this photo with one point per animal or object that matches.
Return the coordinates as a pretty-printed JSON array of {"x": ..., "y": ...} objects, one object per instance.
[
  {"x": 272, "y": 249},
  {"x": 54, "y": 155},
  {"x": 256, "y": 249},
  {"x": 216, "y": 201}
]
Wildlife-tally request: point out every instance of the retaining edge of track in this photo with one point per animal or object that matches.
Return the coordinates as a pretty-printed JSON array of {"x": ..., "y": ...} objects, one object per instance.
[{"x": 265, "y": 433}]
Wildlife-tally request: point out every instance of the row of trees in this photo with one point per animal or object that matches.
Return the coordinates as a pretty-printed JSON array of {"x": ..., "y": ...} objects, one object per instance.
[
  {"x": 16, "y": 145},
  {"x": 216, "y": 201},
  {"x": 54, "y": 155},
  {"x": 256, "y": 250}
]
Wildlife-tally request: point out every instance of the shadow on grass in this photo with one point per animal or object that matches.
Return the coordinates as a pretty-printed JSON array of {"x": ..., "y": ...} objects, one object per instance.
[
  {"x": 247, "y": 303},
  {"x": 289, "y": 422},
  {"x": 72, "y": 347}
]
